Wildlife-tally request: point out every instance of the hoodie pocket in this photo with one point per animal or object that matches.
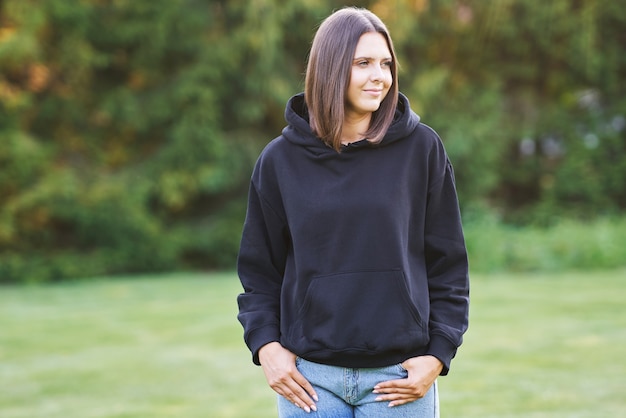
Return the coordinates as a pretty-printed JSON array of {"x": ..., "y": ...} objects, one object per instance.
[{"x": 360, "y": 310}]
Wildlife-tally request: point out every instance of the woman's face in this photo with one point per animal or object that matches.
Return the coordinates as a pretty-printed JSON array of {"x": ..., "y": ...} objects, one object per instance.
[{"x": 371, "y": 76}]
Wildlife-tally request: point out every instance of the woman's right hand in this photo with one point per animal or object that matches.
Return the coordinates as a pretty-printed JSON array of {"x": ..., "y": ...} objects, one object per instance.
[{"x": 279, "y": 366}]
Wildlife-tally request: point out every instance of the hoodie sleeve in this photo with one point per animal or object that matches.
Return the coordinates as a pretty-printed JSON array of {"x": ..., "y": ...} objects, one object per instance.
[
  {"x": 260, "y": 266},
  {"x": 446, "y": 261}
]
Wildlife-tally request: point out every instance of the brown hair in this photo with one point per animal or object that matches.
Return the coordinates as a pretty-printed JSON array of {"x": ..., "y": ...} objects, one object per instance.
[{"x": 328, "y": 74}]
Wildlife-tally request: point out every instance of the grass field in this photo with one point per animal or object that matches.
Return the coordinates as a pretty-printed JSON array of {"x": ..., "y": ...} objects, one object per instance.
[{"x": 170, "y": 346}]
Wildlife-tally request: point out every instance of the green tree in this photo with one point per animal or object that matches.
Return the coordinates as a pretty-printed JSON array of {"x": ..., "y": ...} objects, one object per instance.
[
  {"x": 526, "y": 95},
  {"x": 128, "y": 129}
]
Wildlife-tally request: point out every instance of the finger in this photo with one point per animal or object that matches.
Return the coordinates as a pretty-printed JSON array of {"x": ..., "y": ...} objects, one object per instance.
[
  {"x": 396, "y": 397},
  {"x": 400, "y": 402},
  {"x": 300, "y": 397},
  {"x": 405, "y": 387},
  {"x": 306, "y": 385},
  {"x": 392, "y": 384},
  {"x": 291, "y": 388},
  {"x": 294, "y": 399}
]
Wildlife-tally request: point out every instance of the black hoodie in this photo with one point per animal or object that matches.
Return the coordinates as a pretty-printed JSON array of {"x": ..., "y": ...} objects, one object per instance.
[{"x": 354, "y": 258}]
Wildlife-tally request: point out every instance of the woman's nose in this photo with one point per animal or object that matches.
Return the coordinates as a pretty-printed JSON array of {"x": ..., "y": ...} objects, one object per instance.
[{"x": 377, "y": 73}]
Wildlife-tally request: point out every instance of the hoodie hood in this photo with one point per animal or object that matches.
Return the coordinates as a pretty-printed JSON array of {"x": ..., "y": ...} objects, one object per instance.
[{"x": 298, "y": 131}]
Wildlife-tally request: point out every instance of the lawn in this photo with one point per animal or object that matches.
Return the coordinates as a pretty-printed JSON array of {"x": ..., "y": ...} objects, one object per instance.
[{"x": 170, "y": 346}]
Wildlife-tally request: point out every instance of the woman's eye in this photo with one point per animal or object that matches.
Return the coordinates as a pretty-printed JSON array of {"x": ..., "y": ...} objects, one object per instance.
[
  {"x": 387, "y": 64},
  {"x": 363, "y": 63}
]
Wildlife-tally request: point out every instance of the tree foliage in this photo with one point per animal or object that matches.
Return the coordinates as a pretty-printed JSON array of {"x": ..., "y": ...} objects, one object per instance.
[{"x": 128, "y": 128}]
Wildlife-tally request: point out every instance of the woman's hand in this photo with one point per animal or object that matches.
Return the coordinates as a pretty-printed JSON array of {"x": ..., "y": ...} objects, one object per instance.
[
  {"x": 423, "y": 371},
  {"x": 279, "y": 366}
]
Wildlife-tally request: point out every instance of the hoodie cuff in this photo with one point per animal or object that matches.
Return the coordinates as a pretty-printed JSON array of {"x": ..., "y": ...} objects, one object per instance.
[
  {"x": 260, "y": 337},
  {"x": 443, "y": 349}
]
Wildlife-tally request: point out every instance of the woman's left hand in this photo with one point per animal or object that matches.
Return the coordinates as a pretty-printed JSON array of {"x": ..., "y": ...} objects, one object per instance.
[{"x": 423, "y": 371}]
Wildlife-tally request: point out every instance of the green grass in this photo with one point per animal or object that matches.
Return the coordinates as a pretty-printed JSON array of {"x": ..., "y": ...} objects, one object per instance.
[
  {"x": 170, "y": 346},
  {"x": 567, "y": 245},
  {"x": 545, "y": 345}
]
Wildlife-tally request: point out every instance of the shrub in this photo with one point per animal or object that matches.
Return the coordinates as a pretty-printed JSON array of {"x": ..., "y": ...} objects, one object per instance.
[{"x": 569, "y": 244}]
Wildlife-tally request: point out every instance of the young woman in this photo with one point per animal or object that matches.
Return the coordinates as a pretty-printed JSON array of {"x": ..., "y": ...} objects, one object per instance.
[{"x": 352, "y": 259}]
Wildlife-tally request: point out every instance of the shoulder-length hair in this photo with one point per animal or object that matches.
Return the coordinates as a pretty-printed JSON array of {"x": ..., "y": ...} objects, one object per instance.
[{"x": 328, "y": 75}]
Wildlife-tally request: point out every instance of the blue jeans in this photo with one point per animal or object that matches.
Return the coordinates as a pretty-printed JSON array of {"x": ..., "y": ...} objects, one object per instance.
[{"x": 347, "y": 393}]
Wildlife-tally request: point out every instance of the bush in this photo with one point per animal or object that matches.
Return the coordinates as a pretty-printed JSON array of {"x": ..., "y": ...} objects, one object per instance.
[
  {"x": 129, "y": 129},
  {"x": 569, "y": 244}
]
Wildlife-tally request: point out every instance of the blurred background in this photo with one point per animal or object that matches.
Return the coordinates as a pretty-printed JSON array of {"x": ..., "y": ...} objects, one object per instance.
[
  {"x": 129, "y": 128},
  {"x": 128, "y": 133}
]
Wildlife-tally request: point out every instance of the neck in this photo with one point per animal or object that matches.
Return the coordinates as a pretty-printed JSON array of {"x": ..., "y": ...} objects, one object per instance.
[{"x": 354, "y": 126}]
